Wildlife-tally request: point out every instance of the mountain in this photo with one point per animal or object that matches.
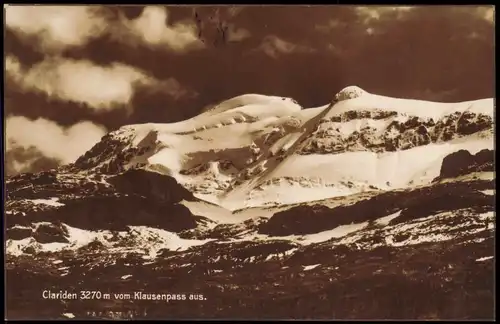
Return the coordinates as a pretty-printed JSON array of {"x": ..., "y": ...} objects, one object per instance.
[{"x": 368, "y": 207}]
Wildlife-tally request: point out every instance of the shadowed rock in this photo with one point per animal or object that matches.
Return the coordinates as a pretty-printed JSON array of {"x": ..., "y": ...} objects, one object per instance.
[
  {"x": 150, "y": 184},
  {"x": 50, "y": 233},
  {"x": 463, "y": 162},
  {"x": 418, "y": 203}
]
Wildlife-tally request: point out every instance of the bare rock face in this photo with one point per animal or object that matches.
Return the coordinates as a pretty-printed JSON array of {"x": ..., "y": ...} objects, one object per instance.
[
  {"x": 400, "y": 133},
  {"x": 292, "y": 124}
]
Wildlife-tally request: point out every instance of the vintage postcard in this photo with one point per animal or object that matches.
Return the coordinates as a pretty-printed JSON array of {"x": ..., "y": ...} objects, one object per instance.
[{"x": 330, "y": 162}]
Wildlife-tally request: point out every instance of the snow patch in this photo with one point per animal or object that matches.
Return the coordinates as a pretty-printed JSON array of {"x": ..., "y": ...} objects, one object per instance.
[
  {"x": 387, "y": 219},
  {"x": 310, "y": 267},
  {"x": 337, "y": 232},
  {"x": 276, "y": 256},
  {"x": 139, "y": 239},
  {"x": 484, "y": 258},
  {"x": 49, "y": 202}
]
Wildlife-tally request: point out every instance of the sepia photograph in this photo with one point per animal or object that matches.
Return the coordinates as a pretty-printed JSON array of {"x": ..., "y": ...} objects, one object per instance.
[{"x": 248, "y": 162}]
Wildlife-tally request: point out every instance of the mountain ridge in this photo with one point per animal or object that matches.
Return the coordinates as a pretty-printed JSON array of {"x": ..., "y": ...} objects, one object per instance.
[{"x": 264, "y": 133}]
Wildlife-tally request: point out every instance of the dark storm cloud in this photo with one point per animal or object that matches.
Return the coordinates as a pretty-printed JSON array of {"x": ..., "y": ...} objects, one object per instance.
[
  {"x": 402, "y": 52},
  {"x": 428, "y": 53},
  {"x": 166, "y": 63}
]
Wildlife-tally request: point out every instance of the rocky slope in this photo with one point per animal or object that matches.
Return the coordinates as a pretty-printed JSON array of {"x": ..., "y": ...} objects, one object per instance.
[{"x": 370, "y": 207}]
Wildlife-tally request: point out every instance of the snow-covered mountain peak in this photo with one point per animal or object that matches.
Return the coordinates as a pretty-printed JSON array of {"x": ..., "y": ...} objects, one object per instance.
[
  {"x": 252, "y": 99},
  {"x": 350, "y": 92},
  {"x": 239, "y": 153}
]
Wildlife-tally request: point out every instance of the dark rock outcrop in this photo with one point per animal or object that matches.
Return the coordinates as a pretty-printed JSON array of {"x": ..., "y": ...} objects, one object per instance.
[
  {"x": 117, "y": 213},
  {"x": 414, "y": 204},
  {"x": 463, "y": 162},
  {"x": 51, "y": 233},
  {"x": 18, "y": 233},
  {"x": 136, "y": 197},
  {"x": 150, "y": 184}
]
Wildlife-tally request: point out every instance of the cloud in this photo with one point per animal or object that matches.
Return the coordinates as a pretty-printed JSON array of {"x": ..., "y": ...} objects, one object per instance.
[
  {"x": 487, "y": 13},
  {"x": 331, "y": 25},
  {"x": 274, "y": 46},
  {"x": 152, "y": 28},
  {"x": 237, "y": 34},
  {"x": 373, "y": 13},
  {"x": 171, "y": 87},
  {"x": 369, "y": 14},
  {"x": 56, "y": 27},
  {"x": 53, "y": 141},
  {"x": 99, "y": 87},
  {"x": 234, "y": 11}
]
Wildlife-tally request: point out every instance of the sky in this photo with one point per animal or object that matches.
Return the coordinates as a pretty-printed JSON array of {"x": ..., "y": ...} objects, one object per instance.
[{"x": 75, "y": 73}]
